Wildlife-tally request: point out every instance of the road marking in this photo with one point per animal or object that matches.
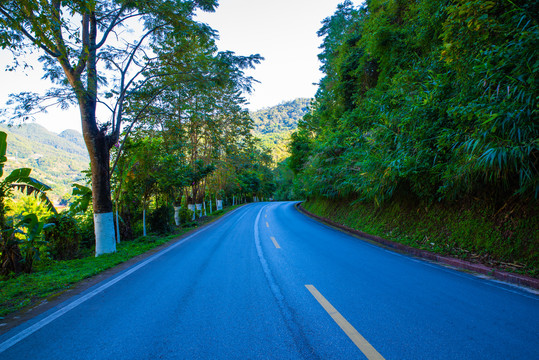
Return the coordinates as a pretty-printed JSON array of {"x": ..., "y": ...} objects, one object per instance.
[
  {"x": 275, "y": 242},
  {"x": 55, "y": 315},
  {"x": 363, "y": 345},
  {"x": 266, "y": 215},
  {"x": 267, "y": 225}
]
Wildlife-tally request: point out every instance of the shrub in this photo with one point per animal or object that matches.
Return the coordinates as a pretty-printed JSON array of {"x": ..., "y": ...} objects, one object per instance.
[
  {"x": 86, "y": 230},
  {"x": 186, "y": 215},
  {"x": 161, "y": 219},
  {"x": 64, "y": 238}
]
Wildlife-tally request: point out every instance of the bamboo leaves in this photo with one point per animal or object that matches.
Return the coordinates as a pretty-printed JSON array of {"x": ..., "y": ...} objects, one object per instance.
[{"x": 453, "y": 110}]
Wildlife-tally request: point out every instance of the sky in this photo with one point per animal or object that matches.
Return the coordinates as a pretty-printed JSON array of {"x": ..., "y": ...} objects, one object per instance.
[{"x": 282, "y": 31}]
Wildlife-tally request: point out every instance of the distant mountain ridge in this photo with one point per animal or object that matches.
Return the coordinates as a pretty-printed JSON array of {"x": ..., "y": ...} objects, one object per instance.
[
  {"x": 273, "y": 125},
  {"x": 55, "y": 159},
  {"x": 73, "y": 136},
  {"x": 59, "y": 159},
  {"x": 280, "y": 118}
]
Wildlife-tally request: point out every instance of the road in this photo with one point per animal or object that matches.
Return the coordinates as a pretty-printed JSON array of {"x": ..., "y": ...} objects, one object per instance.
[{"x": 267, "y": 282}]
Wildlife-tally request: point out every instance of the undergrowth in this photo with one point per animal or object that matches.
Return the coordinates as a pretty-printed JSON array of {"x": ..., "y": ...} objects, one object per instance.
[
  {"x": 477, "y": 231},
  {"x": 52, "y": 277}
]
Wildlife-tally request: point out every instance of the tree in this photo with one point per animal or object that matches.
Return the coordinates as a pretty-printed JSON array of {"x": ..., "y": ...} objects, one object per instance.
[{"x": 71, "y": 55}]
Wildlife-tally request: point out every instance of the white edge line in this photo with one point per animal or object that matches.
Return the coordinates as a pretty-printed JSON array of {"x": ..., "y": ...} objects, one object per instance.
[{"x": 40, "y": 324}]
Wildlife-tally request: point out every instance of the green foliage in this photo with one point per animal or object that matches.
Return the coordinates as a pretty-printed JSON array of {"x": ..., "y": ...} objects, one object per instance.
[
  {"x": 274, "y": 126},
  {"x": 87, "y": 233},
  {"x": 21, "y": 205},
  {"x": 476, "y": 231},
  {"x": 25, "y": 235},
  {"x": 57, "y": 159},
  {"x": 52, "y": 277},
  {"x": 277, "y": 143},
  {"x": 81, "y": 199},
  {"x": 434, "y": 98},
  {"x": 19, "y": 179},
  {"x": 279, "y": 118},
  {"x": 20, "y": 234},
  {"x": 284, "y": 178},
  {"x": 161, "y": 219},
  {"x": 430, "y": 108},
  {"x": 63, "y": 239},
  {"x": 186, "y": 216}
]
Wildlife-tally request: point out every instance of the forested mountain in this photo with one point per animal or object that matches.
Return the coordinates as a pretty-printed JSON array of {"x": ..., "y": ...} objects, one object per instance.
[
  {"x": 280, "y": 118},
  {"x": 430, "y": 102},
  {"x": 274, "y": 125},
  {"x": 55, "y": 159}
]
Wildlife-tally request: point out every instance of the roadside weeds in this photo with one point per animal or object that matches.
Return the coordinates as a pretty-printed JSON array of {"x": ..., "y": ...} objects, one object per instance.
[
  {"x": 28, "y": 295},
  {"x": 463, "y": 265}
]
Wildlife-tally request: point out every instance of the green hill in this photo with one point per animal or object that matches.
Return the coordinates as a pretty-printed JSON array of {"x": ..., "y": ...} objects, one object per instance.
[
  {"x": 55, "y": 159},
  {"x": 280, "y": 118},
  {"x": 273, "y": 125}
]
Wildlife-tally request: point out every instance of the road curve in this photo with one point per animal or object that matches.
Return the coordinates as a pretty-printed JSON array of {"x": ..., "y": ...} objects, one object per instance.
[{"x": 267, "y": 282}]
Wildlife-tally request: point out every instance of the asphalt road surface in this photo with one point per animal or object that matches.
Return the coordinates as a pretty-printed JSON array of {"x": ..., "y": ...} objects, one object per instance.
[{"x": 267, "y": 282}]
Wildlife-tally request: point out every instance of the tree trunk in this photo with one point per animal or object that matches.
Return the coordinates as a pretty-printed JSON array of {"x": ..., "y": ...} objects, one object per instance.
[
  {"x": 98, "y": 144},
  {"x": 117, "y": 226},
  {"x": 177, "y": 215},
  {"x": 144, "y": 221}
]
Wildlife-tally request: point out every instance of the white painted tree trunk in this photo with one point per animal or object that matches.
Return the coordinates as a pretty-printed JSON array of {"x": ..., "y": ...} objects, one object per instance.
[
  {"x": 105, "y": 241},
  {"x": 192, "y": 208},
  {"x": 233, "y": 200},
  {"x": 144, "y": 221},
  {"x": 219, "y": 204},
  {"x": 210, "y": 207},
  {"x": 117, "y": 226},
  {"x": 177, "y": 215},
  {"x": 205, "y": 214}
]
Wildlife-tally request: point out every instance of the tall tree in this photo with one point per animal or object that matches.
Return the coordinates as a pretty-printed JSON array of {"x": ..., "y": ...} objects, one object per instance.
[{"x": 70, "y": 57}]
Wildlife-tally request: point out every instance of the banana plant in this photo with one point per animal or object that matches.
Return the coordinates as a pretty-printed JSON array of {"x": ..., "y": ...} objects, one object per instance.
[
  {"x": 25, "y": 234},
  {"x": 83, "y": 199},
  {"x": 18, "y": 179}
]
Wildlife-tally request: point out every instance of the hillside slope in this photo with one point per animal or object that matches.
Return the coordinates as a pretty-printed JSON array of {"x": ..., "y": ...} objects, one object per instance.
[
  {"x": 273, "y": 125},
  {"x": 55, "y": 159},
  {"x": 280, "y": 118}
]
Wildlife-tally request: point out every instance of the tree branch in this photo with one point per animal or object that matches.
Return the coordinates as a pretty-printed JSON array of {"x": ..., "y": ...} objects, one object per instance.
[
  {"x": 137, "y": 117},
  {"x": 16, "y": 25}
]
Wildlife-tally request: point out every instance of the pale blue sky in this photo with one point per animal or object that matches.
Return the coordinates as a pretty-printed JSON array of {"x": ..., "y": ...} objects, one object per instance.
[{"x": 282, "y": 31}]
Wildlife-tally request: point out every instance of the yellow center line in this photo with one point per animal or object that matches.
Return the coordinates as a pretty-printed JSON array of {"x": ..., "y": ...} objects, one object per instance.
[
  {"x": 275, "y": 243},
  {"x": 267, "y": 225},
  {"x": 363, "y": 345},
  {"x": 266, "y": 215}
]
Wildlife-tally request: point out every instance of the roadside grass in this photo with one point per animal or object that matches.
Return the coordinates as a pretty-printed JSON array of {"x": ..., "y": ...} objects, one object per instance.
[
  {"x": 474, "y": 231},
  {"x": 53, "y": 277}
]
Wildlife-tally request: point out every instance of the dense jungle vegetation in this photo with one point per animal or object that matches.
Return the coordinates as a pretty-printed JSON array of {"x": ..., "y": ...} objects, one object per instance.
[{"x": 428, "y": 110}]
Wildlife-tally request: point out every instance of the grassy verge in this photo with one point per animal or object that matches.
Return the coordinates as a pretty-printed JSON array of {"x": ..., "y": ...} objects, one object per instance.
[
  {"x": 474, "y": 231},
  {"x": 52, "y": 277}
]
